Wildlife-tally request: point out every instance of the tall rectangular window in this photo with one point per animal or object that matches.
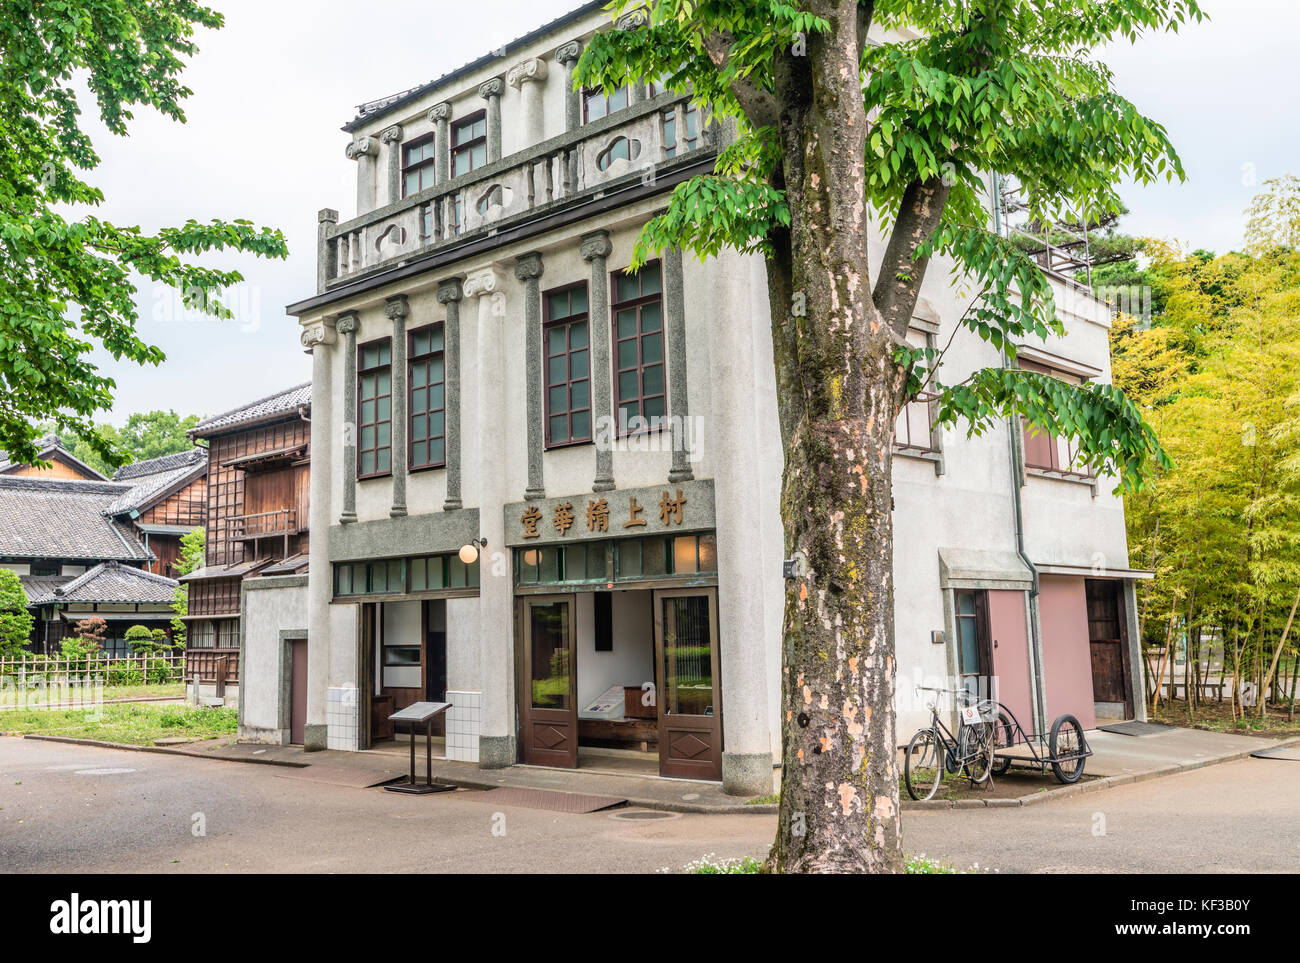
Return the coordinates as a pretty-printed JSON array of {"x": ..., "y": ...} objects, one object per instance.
[
  {"x": 418, "y": 165},
  {"x": 469, "y": 144},
  {"x": 566, "y": 340},
  {"x": 428, "y": 406},
  {"x": 639, "y": 389},
  {"x": 375, "y": 408},
  {"x": 687, "y": 138},
  {"x": 597, "y": 104}
]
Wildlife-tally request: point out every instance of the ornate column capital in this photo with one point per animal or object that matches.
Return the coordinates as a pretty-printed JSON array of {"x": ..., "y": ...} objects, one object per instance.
[
  {"x": 594, "y": 245},
  {"x": 528, "y": 267},
  {"x": 633, "y": 19},
  {"x": 491, "y": 88},
  {"x": 439, "y": 112},
  {"x": 450, "y": 290},
  {"x": 532, "y": 69},
  {"x": 481, "y": 282},
  {"x": 362, "y": 147},
  {"x": 347, "y": 323},
  {"x": 392, "y": 134},
  {"x": 318, "y": 333},
  {"x": 569, "y": 53},
  {"x": 397, "y": 307}
]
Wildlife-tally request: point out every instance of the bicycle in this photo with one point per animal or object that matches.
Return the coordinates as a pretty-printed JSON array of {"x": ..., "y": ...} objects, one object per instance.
[{"x": 935, "y": 750}]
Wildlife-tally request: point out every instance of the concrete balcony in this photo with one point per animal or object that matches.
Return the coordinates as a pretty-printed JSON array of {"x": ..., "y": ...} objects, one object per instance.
[{"x": 626, "y": 147}]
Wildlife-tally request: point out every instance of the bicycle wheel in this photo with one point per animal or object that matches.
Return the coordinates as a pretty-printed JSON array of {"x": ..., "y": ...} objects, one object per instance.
[
  {"x": 1067, "y": 740},
  {"x": 1002, "y": 741},
  {"x": 978, "y": 752},
  {"x": 923, "y": 765}
]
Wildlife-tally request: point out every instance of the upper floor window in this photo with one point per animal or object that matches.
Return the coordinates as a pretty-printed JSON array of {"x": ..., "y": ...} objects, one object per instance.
[
  {"x": 597, "y": 104},
  {"x": 418, "y": 164},
  {"x": 568, "y": 367},
  {"x": 914, "y": 429},
  {"x": 688, "y": 137},
  {"x": 469, "y": 144},
  {"x": 428, "y": 414},
  {"x": 640, "y": 394},
  {"x": 1047, "y": 452},
  {"x": 375, "y": 408}
]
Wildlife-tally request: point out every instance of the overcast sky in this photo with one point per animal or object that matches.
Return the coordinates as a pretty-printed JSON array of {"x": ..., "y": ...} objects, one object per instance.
[{"x": 272, "y": 89}]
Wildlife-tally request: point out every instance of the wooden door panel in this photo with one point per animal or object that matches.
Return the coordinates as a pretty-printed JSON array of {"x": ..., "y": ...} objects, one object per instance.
[
  {"x": 689, "y": 688},
  {"x": 298, "y": 691},
  {"x": 549, "y": 699},
  {"x": 1107, "y": 672}
]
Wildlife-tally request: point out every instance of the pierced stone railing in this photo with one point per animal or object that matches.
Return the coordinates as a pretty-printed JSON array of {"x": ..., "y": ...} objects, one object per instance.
[{"x": 519, "y": 187}]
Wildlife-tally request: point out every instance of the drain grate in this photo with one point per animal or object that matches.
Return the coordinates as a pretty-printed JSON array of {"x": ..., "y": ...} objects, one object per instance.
[{"x": 642, "y": 814}]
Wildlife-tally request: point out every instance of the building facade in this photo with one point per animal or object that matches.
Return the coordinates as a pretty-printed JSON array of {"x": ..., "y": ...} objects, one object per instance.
[
  {"x": 258, "y": 471},
  {"x": 546, "y": 488}
]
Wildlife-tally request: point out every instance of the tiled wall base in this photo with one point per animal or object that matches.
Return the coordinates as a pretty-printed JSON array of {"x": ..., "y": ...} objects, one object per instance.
[
  {"x": 463, "y": 725},
  {"x": 342, "y": 718}
]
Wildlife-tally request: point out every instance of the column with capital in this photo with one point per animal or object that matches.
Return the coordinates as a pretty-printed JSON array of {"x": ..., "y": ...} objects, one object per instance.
[
  {"x": 440, "y": 116},
  {"x": 528, "y": 269},
  {"x": 397, "y": 310},
  {"x": 449, "y": 294},
  {"x": 491, "y": 92},
  {"x": 347, "y": 326},
  {"x": 496, "y": 675},
  {"x": 319, "y": 339},
  {"x": 326, "y": 253},
  {"x": 391, "y": 138},
  {"x": 529, "y": 79},
  {"x": 675, "y": 325},
  {"x": 364, "y": 150},
  {"x": 568, "y": 56},
  {"x": 596, "y": 248}
]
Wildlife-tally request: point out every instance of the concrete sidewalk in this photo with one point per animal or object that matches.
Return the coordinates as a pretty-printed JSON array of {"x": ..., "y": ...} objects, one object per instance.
[{"x": 1175, "y": 750}]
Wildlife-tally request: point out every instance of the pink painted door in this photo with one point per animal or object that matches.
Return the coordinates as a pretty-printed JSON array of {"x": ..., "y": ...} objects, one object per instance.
[
  {"x": 1067, "y": 651},
  {"x": 1009, "y": 628}
]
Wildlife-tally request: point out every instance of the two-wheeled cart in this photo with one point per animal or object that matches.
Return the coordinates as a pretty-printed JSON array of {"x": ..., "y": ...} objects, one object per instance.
[{"x": 1065, "y": 750}]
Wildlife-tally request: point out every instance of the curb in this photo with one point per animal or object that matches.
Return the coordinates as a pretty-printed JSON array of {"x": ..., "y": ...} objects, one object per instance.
[
  {"x": 1095, "y": 785},
  {"x": 165, "y": 750}
]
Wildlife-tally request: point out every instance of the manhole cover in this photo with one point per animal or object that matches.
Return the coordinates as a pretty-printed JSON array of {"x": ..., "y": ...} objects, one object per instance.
[
  {"x": 103, "y": 772},
  {"x": 643, "y": 814}
]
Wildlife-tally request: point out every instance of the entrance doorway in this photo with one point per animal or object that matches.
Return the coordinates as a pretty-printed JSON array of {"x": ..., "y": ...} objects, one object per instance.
[
  {"x": 623, "y": 680},
  {"x": 1112, "y": 685},
  {"x": 297, "y": 692}
]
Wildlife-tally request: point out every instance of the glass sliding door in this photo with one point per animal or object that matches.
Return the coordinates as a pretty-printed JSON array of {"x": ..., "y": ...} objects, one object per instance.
[
  {"x": 549, "y": 702},
  {"x": 690, "y": 711}
]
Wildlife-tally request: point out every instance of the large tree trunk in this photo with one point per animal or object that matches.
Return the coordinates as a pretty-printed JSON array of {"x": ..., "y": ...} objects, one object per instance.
[{"x": 839, "y": 390}]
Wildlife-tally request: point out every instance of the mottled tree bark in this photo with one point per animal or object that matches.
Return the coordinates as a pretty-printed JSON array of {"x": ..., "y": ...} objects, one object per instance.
[{"x": 839, "y": 391}]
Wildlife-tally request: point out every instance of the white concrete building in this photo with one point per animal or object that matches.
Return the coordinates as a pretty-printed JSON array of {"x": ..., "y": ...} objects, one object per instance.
[{"x": 483, "y": 373}]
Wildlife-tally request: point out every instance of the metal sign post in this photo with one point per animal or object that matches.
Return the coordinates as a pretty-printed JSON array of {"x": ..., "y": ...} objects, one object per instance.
[{"x": 413, "y": 715}]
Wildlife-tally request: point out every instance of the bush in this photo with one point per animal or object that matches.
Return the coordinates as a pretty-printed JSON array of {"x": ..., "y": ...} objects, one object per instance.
[{"x": 15, "y": 620}]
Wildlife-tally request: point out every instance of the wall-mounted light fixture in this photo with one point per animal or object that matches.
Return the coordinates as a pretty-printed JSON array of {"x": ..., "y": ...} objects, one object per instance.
[{"x": 469, "y": 552}]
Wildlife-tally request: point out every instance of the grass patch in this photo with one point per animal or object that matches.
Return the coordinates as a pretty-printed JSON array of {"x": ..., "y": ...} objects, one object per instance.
[
  {"x": 711, "y": 865},
  {"x": 771, "y": 799},
  {"x": 9, "y": 697},
  {"x": 1217, "y": 717},
  {"x": 137, "y": 724}
]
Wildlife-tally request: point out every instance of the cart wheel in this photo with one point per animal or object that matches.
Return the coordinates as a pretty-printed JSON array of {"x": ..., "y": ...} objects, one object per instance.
[
  {"x": 977, "y": 750},
  {"x": 1067, "y": 740},
  {"x": 1002, "y": 736},
  {"x": 923, "y": 765}
]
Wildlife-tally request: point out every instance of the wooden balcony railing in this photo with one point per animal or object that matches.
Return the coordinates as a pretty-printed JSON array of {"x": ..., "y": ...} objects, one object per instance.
[
  {"x": 628, "y": 144},
  {"x": 247, "y": 528}
]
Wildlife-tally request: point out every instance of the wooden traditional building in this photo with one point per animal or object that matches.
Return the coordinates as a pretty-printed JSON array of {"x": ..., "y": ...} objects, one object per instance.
[
  {"x": 168, "y": 499},
  {"x": 61, "y": 464},
  {"x": 258, "y": 473}
]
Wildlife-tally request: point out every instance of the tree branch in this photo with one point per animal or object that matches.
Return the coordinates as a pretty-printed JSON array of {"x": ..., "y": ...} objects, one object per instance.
[
  {"x": 899, "y": 284},
  {"x": 759, "y": 105}
]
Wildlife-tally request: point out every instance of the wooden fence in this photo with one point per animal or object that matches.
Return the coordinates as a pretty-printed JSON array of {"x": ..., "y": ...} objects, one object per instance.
[{"x": 51, "y": 671}]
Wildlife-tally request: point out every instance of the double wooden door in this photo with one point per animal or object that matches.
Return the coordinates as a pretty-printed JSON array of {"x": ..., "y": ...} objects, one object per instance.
[{"x": 688, "y": 692}]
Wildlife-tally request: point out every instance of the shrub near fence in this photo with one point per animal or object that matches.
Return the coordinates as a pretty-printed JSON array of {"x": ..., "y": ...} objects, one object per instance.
[{"x": 51, "y": 671}]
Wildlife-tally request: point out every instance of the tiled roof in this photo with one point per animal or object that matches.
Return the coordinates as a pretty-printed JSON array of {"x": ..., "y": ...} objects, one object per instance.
[
  {"x": 285, "y": 401},
  {"x": 58, "y": 518},
  {"x": 375, "y": 108},
  {"x": 112, "y": 582},
  {"x": 151, "y": 479},
  {"x": 37, "y": 586},
  {"x": 50, "y": 446}
]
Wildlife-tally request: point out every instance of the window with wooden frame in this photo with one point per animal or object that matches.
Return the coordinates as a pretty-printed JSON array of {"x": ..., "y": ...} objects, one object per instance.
[
  {"x": 428, "y": 406},
  {"x": 974, "y": 654},
  {"x": 1048, "y": 453},
  {"x": 375, "y": 409},
  {"x": 640, "y": 391},
  {"x": 679, "y": 142},
  {"x": 597, "y": 104},
  {"x": 418, "y": 165},
  {"x": 469, "y": 143},
  {"x": 567, "y": 359}
]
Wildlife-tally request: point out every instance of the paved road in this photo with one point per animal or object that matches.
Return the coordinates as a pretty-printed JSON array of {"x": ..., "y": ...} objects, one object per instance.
[{"x": 77, "y": 809}]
